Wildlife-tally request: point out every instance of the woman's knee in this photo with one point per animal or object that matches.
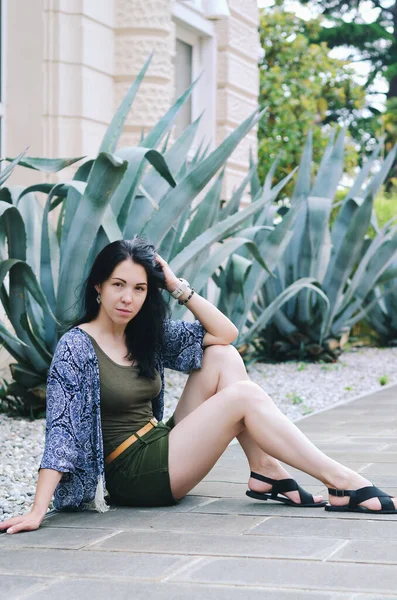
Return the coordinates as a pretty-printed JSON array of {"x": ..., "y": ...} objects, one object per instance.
[
  {"x": 222, "y": 352},
  {"x": 250, "y": 393}
]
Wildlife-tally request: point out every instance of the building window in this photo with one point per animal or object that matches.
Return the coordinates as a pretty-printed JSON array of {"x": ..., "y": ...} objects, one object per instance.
[
  {"x": 186, "y": 69},
  {"x": 183, "y": 78},
  {"x": 195, "y": 54}
]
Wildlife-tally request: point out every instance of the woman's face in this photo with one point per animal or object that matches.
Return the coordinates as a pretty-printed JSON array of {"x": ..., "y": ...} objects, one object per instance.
[{"x": 123, "y": 294}]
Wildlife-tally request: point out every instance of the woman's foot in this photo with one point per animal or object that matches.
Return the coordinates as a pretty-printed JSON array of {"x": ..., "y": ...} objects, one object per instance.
[
  {"x": 279, "y": 473},
  {"x": 354, "y": 481}
]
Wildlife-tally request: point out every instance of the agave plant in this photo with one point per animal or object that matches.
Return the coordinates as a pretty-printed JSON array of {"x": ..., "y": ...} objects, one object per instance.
[
  {"x": 338, "y": 266},
  {"x": 7, "y": 172},
  {"x": 382, "y": 314},
  {"x": 381, "y": 304},
  {"x": 135, "y": 190}
]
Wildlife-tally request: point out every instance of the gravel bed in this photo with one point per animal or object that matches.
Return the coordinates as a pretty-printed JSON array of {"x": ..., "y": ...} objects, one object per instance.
[{"x": 297, "y": 388}]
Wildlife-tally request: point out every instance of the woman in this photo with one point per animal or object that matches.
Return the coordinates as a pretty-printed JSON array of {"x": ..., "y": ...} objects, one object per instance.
[{"x": 106, "y": 384}]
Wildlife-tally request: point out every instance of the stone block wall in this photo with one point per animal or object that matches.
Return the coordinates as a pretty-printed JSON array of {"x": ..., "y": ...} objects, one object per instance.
[
  {"x": 142, "y": 27},
  {"x": 74, "y": 60},
  {"x": 59, "y": 91},
  {"x": 237, "y": 83},
  {"x": 79, "y": 69}
]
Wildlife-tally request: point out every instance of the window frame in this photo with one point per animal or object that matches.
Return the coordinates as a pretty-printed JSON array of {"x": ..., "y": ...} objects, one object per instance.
[
  {"x": 192, "y": 39},
  {"x": 193, "y": 29}
]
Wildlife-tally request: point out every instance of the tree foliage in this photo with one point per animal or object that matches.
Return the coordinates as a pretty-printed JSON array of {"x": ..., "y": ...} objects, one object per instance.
[
  {"x": 300, "y": 85},
  {"x": 369, "y": 29},
  {"x": 376, "y": 39}
]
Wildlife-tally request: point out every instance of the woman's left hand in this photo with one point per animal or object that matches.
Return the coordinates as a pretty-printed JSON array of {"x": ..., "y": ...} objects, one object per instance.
[{"x": 171, "y": 280}]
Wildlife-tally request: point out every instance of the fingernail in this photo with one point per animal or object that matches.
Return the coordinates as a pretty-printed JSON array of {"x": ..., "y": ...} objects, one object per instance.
[{"x": 10, "y": 530}]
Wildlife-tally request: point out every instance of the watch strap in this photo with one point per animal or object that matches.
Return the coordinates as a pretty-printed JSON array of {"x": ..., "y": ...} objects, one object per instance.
[{"x": 182, "y": 287}]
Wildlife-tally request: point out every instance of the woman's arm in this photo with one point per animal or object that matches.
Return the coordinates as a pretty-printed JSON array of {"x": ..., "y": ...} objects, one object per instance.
[
  {"x": 46, "y": 484},
  {"x": 220, "y": 329},
  {"x": 63, "y": 402}
]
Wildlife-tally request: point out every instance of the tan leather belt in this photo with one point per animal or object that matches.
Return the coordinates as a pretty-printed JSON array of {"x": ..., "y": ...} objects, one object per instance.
[{"x": 131, "y": 440}]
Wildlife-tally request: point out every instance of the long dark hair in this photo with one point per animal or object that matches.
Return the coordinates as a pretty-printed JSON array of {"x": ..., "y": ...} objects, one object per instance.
[{"x": 144, "y": 333}]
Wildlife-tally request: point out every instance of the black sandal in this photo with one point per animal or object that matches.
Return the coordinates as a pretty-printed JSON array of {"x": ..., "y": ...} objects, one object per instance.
[
  {"x": 360, "y": 495},
  {"x": 280, "y": 486}
]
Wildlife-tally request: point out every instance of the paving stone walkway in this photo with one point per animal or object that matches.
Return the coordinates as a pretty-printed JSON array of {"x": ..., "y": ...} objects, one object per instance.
[{"x": 219, "y": 544}]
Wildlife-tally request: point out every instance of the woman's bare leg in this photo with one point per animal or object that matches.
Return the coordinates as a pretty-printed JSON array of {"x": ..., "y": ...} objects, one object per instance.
[
  {"x": 197, "y": 442},
  {"x": 222, "y": 365}
]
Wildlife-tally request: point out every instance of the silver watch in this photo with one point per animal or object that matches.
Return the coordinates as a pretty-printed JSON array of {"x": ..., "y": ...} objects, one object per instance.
[{"x": 182, "y": 287}]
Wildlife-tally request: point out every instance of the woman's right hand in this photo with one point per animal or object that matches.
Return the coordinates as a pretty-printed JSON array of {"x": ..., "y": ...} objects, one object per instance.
[
  {"x": 28, "y": 522},
  {"x": 47, "y": 481}
]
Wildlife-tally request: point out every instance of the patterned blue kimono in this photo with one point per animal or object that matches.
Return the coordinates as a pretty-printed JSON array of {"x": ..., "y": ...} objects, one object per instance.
[{"x": 73, "y": 443}]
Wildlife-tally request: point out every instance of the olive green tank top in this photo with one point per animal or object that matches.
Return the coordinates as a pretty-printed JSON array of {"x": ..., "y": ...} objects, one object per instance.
[{"x": 126, "y": 399}]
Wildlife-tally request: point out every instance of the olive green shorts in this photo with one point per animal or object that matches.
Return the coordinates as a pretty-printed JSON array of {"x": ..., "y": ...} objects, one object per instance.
[{"x": 139, "y": 476}]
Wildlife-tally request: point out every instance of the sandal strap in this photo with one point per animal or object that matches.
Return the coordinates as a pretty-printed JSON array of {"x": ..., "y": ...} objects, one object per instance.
[
  {"x": 387, "y": 503},
  {"x": 280, "y": 486},
  {"x": 285, "y": 485},
  {"x": 340, "y": 493},
  {"x": 262, "y": 477},
  {"x": 363, "y": 494},
  {"x": 366, "y": 493},
  {"x": 306, "y": 497}
]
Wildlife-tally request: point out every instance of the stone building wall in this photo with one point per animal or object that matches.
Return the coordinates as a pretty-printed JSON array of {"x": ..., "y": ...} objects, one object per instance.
[
  {"x": 143, "y": 26},
  {"x": 73, "y": 60},
  {"x": 59, "y": 87},
  {"x": 237, "y": 82},
  {"x": 79, "y": 67}
]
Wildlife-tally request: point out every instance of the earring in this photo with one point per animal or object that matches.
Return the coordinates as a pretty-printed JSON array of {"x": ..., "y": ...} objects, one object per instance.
[{"x": 98, "y": 298}]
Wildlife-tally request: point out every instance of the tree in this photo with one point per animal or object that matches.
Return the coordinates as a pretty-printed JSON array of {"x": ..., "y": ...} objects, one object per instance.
[
  {"x": 301, "y": 85},
  {"x": 374, "y": 40}
]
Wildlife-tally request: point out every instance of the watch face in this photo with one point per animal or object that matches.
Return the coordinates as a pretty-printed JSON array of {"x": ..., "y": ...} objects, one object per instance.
[
  {"x": 180, "y": 289},
  {"x": 176, "y": 293}
]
